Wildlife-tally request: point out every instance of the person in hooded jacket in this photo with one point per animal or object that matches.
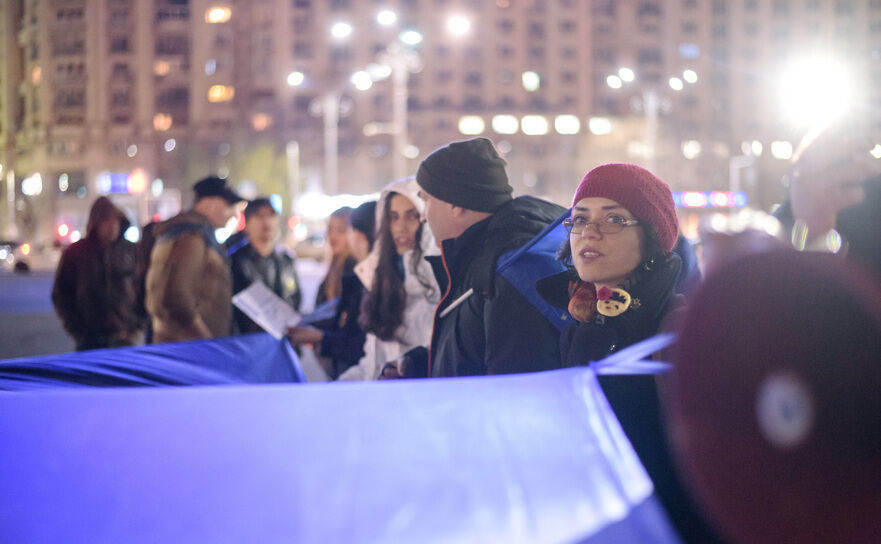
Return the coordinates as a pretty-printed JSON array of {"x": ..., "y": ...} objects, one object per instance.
[
  {"x": 94, "y": 291},
  {"x": 619, "y": 289},
  {"x": 398, "y": 308},
  {"x": 483, "y": 324}
]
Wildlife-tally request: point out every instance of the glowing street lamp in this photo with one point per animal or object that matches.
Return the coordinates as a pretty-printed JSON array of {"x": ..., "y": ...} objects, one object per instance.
[
  {"x": 341, "y": 30},
  {"x": 614, "y": 82},
  {"x": 296, "y": 78},
  {"x": 458, "y": 25},
  {"x": 217, "y": 14},
  {"x": 410, "y": 37},
  {"x": 361, "y": 80},
  {"x": 815, "y": 91},
  {"x": 386, "y": 17},
  {"x": 626, "y": 74},
  {"x": 651, "y": 105}
]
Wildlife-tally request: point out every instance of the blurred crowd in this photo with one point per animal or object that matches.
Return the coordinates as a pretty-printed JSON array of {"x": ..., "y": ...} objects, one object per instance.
[{"x": 775, "y": 376}]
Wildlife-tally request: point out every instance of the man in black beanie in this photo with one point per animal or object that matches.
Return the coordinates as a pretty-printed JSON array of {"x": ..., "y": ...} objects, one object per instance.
[{"x": 484, "y": 324}]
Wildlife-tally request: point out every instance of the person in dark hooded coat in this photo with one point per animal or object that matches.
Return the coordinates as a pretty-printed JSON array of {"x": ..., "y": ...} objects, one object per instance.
[{"x": 94, "y": 291}]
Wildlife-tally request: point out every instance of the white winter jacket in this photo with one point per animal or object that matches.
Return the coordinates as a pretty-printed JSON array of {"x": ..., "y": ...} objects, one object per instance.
[{"x": 420, "y": 285}]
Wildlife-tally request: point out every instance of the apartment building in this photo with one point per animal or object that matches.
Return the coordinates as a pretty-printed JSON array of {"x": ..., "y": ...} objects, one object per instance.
[{"x": 142, "y": 97}]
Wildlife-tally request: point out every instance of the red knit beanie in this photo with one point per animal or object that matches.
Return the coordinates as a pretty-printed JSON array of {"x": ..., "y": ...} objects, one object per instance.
[{"x": 644, "y": 195}]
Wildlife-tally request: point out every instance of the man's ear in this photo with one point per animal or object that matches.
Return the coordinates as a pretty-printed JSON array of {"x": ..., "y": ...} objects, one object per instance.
[{"x": 457, "y": 211}]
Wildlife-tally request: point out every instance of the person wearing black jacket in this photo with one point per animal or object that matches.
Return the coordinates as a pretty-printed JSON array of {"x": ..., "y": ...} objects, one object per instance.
[
  {"x": 619, "y": 288},
  {"x": 340, "y": 340},
  {"x": 259, "y": 259},
  {"x": 94, "y": 291},
  {"x": 483, "y": 324}
]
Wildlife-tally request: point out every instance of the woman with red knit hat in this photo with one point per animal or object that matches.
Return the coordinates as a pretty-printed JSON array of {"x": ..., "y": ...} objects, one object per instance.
[
  {"x": 619, "y": 287},
  {"x": 622, "y": 270}
]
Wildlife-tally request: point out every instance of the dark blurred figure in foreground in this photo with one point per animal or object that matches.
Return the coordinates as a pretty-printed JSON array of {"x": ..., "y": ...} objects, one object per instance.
[
  {"x": 260, "y": 259},
  {"x": 341, "y": 261},
  {"x": 94, "y": 292},
  {"x": 775, "y": 401},
  {"x": 835, "y": 195},
  {"x": 188, "y": 286}
]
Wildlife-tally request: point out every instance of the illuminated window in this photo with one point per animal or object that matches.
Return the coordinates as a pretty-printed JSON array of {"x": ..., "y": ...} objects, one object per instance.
[
  {"x": 471, "y": 125},
  {"x": 534, "y": 125},
  {"x": 217, "y": 14},
  {"x": 161, "y": 67},
  {"x": 505, "y": 124},
  {"x": 261, "y": 121},
  {"x": 221, "y": 93},
  {"x": 162, "y": 121}
]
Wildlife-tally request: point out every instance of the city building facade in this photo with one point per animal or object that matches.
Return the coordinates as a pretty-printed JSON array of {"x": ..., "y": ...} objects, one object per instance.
[{"x": 140, "y": 98}]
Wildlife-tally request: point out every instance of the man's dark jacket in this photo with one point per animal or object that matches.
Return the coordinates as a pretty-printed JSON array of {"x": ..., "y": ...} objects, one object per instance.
[
  {"x": 344, "y": 338},
  {"x": 94, "y": 291},
  {"x": 496, "y": 330},
  {"x": 276, "y": 271}
]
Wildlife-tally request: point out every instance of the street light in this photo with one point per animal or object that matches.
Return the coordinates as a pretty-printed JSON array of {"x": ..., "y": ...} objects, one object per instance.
[
  {"x": 397, "y": 61},
  {"x": 386, "y": 17},
  {"x": 296, "y": 78},
  {"x": 458, "y": 25},
  {"x": 411, "y": 37},
  {"x": 361, "y": 80},
  {"x": 402, "y": 61},
  {"x": 651, "y": 105},
  {"x": 341, "y": 30},
  {"x": 815, "y": 91}
]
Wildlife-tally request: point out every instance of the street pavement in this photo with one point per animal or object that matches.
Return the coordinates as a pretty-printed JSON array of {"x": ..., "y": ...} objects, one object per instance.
[{"x": 29, "y": 326}]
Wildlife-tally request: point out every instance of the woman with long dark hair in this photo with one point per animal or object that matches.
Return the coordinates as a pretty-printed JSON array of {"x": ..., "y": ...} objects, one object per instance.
[{"x": 398, "y": 309}]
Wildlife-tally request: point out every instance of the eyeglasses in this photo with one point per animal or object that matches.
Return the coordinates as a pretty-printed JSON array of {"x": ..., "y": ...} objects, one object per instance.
[{"x": 610, "y": 224}]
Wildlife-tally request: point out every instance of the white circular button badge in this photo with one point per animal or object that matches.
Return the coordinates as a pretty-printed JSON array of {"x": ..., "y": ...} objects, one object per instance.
[{"x": 785, "y": 410}]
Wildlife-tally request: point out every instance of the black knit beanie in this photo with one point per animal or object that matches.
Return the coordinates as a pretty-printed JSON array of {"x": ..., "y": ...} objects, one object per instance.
[
  {"x": 363, "y": 219},
  {"x": 469, "y": 174}
]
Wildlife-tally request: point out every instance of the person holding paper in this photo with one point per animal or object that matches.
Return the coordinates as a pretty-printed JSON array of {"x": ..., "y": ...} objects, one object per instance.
[
  {"x": 340, "y": 341},
  {"x": 260, "y": 259}
]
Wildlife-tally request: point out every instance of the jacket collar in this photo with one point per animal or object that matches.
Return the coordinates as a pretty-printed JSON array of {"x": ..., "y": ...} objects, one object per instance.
[
  {"x": 654, "y": 287},
  {"x": 455, "y": 249}
]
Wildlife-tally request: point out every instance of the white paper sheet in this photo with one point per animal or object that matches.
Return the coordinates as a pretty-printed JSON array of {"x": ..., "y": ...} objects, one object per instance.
[{"x": 266, "y": 309}]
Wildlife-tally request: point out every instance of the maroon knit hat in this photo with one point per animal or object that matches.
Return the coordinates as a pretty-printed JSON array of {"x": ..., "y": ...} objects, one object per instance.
[
  {"x": 775, "y": 399},
  {"x": 644, "y": 195}
]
